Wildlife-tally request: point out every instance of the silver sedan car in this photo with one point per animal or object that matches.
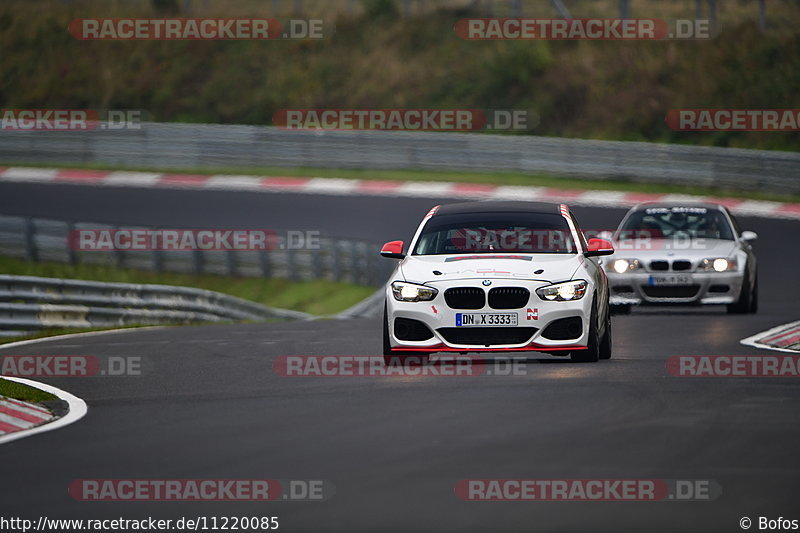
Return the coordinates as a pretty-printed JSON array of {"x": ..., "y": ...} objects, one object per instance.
[{"x": 682, "y": 254}]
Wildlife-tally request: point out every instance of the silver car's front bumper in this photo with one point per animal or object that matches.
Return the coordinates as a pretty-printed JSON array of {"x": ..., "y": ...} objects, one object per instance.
[{"x": 638, "y": 288}]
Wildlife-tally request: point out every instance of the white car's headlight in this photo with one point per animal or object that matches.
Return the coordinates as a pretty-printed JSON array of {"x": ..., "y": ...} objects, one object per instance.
[
  {"x": 717, "y": 264},
  {"x": 412, "y": 292},
  {"x": 563, "y": 292},
  {"x": 620, "y": 266}
]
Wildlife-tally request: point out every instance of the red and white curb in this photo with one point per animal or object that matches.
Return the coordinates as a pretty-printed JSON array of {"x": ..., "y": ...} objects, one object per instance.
[
  {"x": 353, "y": 187},
  {"x": 785, "y": 338},
  {"x": 16, "y": 415},
  {"x": 22, "y": 419}
]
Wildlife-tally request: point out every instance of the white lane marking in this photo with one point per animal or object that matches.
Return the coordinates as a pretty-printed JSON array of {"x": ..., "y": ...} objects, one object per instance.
[
  {"x": 30, "y": 174},
  {"x": 77, "y": 410},
  {"x": 424, "y": 188},
  {"x": 74, "y": 336},
  {"x": 233, "y": 182},
  {"x": 757, "y": 207},
  {"x": 601, "y": 198},
  {"x": 518, "y": 192},
  {"x": 133, "y": 179},
  {"x": 753, "y": 339},
  {"x": 331, "y": 185},
  {"x": 681, "y": 198},
  {"x": 341, "y": 186}
]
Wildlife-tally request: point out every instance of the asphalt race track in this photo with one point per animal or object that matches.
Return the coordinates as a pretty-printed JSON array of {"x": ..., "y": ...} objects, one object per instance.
[{"x": 211, "y": 405}]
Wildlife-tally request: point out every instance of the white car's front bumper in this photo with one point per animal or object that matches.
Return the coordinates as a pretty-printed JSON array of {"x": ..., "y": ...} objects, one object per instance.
[{"x": 535, "y": 316}]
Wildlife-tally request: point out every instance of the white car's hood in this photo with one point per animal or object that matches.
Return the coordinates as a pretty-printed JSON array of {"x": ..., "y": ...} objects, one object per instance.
[
  {"x": 667, "y": 249},
  {"x": 553, "y": 267}
]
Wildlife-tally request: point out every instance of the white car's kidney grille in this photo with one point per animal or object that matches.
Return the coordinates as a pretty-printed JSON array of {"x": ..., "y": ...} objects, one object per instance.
[
  {"x": 509, "y": 297},
  {"x": 465, "y": 298}
]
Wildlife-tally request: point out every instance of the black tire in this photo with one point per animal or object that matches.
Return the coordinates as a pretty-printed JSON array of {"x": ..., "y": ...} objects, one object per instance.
[
  {"x": 748, "y": 299},
  {"x": 754, "y": 298},
  {"x": 393, "y": 357},
  {"x": 621, "y": 309},
  {"x": 606, "y": 342},
  {"x": 592, "y": 353}
]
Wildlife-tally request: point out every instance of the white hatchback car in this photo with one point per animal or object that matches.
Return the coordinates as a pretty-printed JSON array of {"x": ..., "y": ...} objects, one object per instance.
[{"x": 498, "y": 277}]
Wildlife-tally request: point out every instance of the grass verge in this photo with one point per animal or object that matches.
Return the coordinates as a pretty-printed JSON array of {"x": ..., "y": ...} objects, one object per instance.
[
  {"x": 489, "y": 178},
  {"x": 317, "y": 297},
  {"x": 18, "y": 391}
]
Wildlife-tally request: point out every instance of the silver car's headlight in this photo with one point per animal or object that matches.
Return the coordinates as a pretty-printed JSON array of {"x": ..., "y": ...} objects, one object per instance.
[
  {"x": 412, "y": 292},
  {"x": 563, "y": 292},
  {"x": 717, "y": 264},
  {"x": 620, "y": 266}
]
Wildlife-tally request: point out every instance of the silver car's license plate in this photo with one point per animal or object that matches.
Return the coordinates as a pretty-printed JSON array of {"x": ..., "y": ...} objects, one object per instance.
[
  {"x": 486, "y": 319},
  {"x": 671, "y": 279}
]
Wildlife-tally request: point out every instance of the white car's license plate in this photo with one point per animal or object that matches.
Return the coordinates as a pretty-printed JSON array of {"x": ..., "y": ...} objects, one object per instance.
[
  {"x": 671, "y": 279},
  {"x": 486, "y": 319}
]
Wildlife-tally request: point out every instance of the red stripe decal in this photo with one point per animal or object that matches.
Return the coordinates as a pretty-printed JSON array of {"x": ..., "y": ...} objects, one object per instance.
[
  {"x": 8, "y": 428},
  {"x": 730, "y": 203},
  {"x": 20, "y": 415},
  {"x": 27, "y": 405},
  {"x": 379, "y": 186},
  {"x": 789, "y": 208},
  {"x": 81, "y": 175}
]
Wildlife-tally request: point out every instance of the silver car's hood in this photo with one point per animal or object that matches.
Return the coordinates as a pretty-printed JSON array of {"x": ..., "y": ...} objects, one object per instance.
[
  {"x": 668, "y": 249},
  {"x": 554, "y": 267}
]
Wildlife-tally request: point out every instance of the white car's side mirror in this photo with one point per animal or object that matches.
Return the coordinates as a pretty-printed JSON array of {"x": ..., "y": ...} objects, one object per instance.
[{"x": 749, "y": 236}]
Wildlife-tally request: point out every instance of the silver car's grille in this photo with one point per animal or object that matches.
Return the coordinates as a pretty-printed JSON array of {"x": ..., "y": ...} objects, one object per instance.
[{"x": 679, "y": 265}]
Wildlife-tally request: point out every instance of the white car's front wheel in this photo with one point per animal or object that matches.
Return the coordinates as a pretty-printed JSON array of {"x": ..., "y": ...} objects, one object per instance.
[{"x": 592, "y": 353}]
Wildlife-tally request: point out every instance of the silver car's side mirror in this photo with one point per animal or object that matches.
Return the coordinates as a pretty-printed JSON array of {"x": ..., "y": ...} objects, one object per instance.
[{"x": 749, "y": 236}]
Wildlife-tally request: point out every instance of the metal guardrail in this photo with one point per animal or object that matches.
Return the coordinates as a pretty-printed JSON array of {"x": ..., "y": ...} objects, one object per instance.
[
  {"x": 220, "y": 146},
  {"x": 36, "y": 239},
  {"x": 30, "y": 303}
]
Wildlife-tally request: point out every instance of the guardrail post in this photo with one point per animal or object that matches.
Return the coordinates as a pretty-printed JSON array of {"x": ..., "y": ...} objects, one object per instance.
[
  {"x": 71, "y": 256},
  {"x": 197, "y": 261},
  {"x": 337, "y": 260},
  {"x": 119, "y": 256},
  {"x": 291, "y": 258},
  {"x": 265, "y": 263},
  {"x": 624, "y": 9},
  {"x": 31, "y": 253},
  {"x": 353, "y": 260},
  {"x": 316, "y": 264},
  {"x": 158, "y": 261},
  {"x": 230, "y": 262},
  {"x": 712, "y": 12}
]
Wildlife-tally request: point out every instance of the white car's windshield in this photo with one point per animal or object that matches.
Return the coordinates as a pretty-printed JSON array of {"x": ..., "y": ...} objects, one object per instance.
[
  {"x": 496, "y": 232},
  {"x": 677, "y": 223}
]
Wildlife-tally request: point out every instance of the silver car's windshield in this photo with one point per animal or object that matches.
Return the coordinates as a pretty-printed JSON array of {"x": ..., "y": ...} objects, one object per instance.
[{"x": 677, "y": 223}]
